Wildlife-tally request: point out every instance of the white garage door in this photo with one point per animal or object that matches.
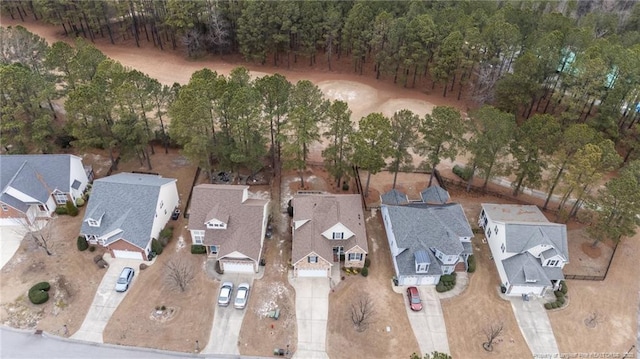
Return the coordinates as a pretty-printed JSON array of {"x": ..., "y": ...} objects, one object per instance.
[
  {"x": 427, "y": 280},
  {"x": 238, "y": 267},
  {"x": 127, "y": 254},
  {"x": 519, "y": 290},
  {"x": 408, "y": 280},
  {"x": 317, "y": 273}
]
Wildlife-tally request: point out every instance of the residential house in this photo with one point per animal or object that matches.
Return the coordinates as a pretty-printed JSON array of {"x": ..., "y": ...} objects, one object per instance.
[
  {"x": 529, "y": 251},
  {"x": 327, "y": 229},
  {"x": 427, "y": 240},
  {"x": 34, "y": 185},
  {"x": 127, "y": 211},
  {"x": 230, "y": 224}
]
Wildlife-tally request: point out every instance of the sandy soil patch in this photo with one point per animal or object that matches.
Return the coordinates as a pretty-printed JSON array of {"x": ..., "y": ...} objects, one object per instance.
[{"x": 72, "y": 274}]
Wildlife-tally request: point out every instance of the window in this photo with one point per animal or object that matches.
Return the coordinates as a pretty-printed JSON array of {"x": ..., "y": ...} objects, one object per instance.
[
  {"x": 355, "y": 256},
  {"x": 93, "y": 223},
  {"x": 312, "y": 259},
  {"x": 4, "y": 207},
  {"x": 502, "y": 247},
  {"x": 198, "y": 237},
  {"x": 213, "y": 249},
  {"x": 60, "y": 198},
  {"x": 552, "y": 263},
  {"x": 161, "y": 204},
  {"x": 338, "y": 235},
  {"x": 422, "y": 268},
  {"x": 496, "y": 229},
  {"x": 42, "y": 208}
]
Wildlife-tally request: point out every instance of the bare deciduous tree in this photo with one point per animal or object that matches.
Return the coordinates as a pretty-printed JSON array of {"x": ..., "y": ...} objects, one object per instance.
[
  {"x": 592, "y": 320},
  {"x": 362, "y": 313},
  {"x": 179, "y": 274},
  {"x": 491, "y": 333},
  {"x": 40, "y": 232}
]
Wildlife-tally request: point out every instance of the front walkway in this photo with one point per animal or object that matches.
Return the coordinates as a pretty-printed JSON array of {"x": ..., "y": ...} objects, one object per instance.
[
  {"x": 312, "y": 312},
  {"x": 535, "y": 325}
]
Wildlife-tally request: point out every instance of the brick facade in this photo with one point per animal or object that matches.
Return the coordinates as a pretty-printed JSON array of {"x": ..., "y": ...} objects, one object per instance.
[{"x": 123, "y": 245}]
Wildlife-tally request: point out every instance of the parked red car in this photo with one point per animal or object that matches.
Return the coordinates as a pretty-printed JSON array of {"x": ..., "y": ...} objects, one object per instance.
[{"x": 414, "y": 299}]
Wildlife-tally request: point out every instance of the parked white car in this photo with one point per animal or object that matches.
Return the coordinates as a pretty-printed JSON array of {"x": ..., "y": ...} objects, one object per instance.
[
  {"x": 226, "y": 290},
  {"x": 242, "y": 295},
  {"x": 125, "y": 278}
]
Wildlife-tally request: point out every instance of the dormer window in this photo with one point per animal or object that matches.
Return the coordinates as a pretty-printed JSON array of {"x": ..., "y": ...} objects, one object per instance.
[
  {"x": 338, "y": 235},
  {"x": 93, "y": 223},
  {"x": 216, "y": 225}
]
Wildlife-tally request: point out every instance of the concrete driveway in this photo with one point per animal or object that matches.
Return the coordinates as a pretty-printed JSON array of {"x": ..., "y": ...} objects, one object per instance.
[
  {"x": 535, "y": 325},
  {"x": 312, "y": 312},
  {"x": 428, "y": 324},
  {"x": 106, "y": 300},
  {"x": 10, "y": 239},
  {"x": 227, "y": 321}
]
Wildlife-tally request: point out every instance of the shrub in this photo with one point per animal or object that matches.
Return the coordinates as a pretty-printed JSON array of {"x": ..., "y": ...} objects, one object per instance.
[
  {"x": 41, "y": 286},
  {"x": 563, "y": 287},
  {"x": 72, "y": 210},
  {"x": 143, "y": 266},
  {"x": 165, "y": 236},
  {"x": 547, "y": 306},
  {"x": 367, "y": 262},
  {"x": 38, "y": 293},
  {"x": 558, "y": 294},
  {"x": 471, "y": 264},
  {"x": 61, "y": 210},
  {"x": 554, "y": 305},
  {"x": 561, "y": 301},
  {"x": 92, "y": 248},
  {"x": 345, "y": 186},
  {"x": 365, "y": 271},
  {"x": 156, "y": 246},
  {"x": 80, "y": 202},
  {"x": 82, "y": 243},
  {"x": 462, "y": 172},
  {"x": 198, "y": 249},
  {"x": 440, "y": 288},
  {"x": 97, "y": 258}
]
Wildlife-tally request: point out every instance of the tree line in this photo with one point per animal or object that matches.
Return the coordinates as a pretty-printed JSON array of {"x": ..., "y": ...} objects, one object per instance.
[
  {"x": 578, "y": 60},
  {"x": 233, "y": 122}
]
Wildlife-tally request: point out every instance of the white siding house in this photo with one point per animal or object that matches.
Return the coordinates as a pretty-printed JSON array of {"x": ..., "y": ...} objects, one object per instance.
[{"x": 528, "y": 250}]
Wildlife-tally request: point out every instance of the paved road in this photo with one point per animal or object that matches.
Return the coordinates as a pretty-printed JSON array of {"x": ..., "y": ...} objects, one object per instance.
[
  {"x": 227, "y": 321},
  {"x": 105, "y": 301},
  {"x": 10, "y": 238},
  {"x": 15, "y": 344},
  {"x": 535, "y": 325},
  {"x": 428, "y": 324},
  {"x": 312, "y": 312}
]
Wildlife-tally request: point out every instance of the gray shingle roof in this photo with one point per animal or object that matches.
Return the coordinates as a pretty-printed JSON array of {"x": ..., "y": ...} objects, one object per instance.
[
  {"x": 434, "y": 195},
  {"x": 36, "y": 175},
  {"x": 244, "y": 219},
  {"x": 522, "y": 237},
  {"x": 419, "y": 227},
  {"x": 394, "y": 197},
  {"x": 323, "y": 212},
  {"x": 524, "y": 266},
  {"x": 128, "y": 201},
  {"x": 514, "y": 213}
]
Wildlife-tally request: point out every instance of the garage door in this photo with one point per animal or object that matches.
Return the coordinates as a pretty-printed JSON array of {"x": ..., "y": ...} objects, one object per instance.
[
  {"x": 519, "y": 290},
  {"x": 127, "y": 254},
  {"x": 427, "y": 280},
  {"x": 317, "y": 273},
  {"x": 408, "y": 280},
  {"x": 237, "y": 267}
]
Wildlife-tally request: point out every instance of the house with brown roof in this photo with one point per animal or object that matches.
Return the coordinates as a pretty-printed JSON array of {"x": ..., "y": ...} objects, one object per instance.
[
  {"x": 327, "y": 229},
  {"x": 229, "y": 224}
]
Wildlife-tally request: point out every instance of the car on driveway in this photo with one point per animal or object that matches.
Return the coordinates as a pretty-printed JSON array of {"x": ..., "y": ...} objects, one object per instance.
[
  {"x": 242, "y": 295},
  {"x": 226, "y": 290},
  {"x": 414, "y": 299},
  {"x": 125, "y": 278}
]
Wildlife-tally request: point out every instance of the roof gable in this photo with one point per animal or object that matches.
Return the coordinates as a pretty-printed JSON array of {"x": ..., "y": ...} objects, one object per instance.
[
  {"x": 127, "y": 202},
  {"x": 434, "y": 195},
  {"x": 394, "y": 197}
]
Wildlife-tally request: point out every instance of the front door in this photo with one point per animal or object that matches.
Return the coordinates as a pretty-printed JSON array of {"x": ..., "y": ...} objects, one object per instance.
[{"x": 338, "y": 251}]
